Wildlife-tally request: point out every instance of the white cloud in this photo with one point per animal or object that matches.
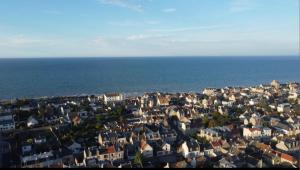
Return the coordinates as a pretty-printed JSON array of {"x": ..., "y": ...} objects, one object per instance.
[
  {"x": 169, "y": 10},
  {"x": 152, "y": 22},
  {"x": 182, "y": 29},
  {"x": 100, "y": 41},
  {"x": 20, "y": 40},
  {"x": 129, "y": 23},
  {"x": 241, "y": 5},
  {"x": 124, "y": 4},
  {"x": 143, "y": 37},
  {"x": 137, "y": 37},
  {"x": 52, "y": 12}
]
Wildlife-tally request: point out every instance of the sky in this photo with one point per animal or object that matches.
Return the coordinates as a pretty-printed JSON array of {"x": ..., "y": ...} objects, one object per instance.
[{"x": 105, "y": 28}]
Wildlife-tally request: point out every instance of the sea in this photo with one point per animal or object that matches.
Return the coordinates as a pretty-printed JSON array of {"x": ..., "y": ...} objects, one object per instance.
[{"x": 39, "y": 77}]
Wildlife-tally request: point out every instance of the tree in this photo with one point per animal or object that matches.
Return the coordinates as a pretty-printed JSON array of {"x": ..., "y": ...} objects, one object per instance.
[
  {"x": 297, "y": 109},
  {"x": 205, "y": 121},
  {"x": 139, "y": 158},
  {"x": 212, "y": 123}
]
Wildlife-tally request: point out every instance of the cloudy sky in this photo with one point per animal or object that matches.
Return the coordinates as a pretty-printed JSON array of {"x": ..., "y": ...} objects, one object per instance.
[{"x": 87, "y": 28}]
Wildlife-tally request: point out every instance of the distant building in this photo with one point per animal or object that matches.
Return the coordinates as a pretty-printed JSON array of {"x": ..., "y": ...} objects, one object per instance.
[
  {"x": 31, "y": 121},
  {"x": 113, "y": 97},
  {"x": 275, "y": 84},
  {"x": 7, "y": 122},
  {"x": 285, "y": 107},
  {"x": 251, "y": 132}
]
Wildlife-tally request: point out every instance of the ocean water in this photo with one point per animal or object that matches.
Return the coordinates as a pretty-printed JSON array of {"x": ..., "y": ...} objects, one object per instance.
[{"x": 74, "y": 76}]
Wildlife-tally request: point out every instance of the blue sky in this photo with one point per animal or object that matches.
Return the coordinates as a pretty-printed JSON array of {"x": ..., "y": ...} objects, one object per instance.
[{"x": 73, "y": 28}]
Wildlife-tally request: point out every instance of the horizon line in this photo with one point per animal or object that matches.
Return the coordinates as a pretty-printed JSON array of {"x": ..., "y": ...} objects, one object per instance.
[{"x": 171, "y": 56}]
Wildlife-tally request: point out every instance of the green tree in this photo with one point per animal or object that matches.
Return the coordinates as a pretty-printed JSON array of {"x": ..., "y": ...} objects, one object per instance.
[
  {"x": 139, "y": 158},
  {"x": 297, "y": 109},
  {"x": 212, "y": 123},
  {"x": 205, "y": 121}
]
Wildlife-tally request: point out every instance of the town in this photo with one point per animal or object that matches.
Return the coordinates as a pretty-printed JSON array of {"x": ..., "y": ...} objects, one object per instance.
[{"x": 230, "y": 127}]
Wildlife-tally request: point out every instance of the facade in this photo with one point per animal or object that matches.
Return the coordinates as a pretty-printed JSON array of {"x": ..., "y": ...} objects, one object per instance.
[
  {"x": 285, "y": 107},
  {"x": 251, "y": 132},
  {"x": 7, "y": 122},
  {"x": 113, "y": 97}
]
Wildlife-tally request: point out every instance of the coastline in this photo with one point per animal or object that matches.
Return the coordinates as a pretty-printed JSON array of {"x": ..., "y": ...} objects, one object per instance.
[{"x": 132, "y": 94}]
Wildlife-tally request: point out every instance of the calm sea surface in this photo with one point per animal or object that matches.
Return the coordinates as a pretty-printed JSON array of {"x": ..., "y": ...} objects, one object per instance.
[{"x": 73, "y": 76}]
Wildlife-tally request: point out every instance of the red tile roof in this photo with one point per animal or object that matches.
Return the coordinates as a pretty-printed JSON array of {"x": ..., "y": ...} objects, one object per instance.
[
  {"x": 254, "y": 129},
  {"x": 111, "y": 149},
  {"x": 288, "y": 157},
  {"x": 216, "y": 144}
]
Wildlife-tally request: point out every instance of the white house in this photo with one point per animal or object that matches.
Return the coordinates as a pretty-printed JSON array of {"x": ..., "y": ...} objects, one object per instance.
[
  {"x": 164, "y": 150},
  {"x": 209, "y": 91},
  {"x": 267, "y": 132},
  {"x": 285, "y": 107},
  {"x": 251, "y": 132},
  {"x": 293, "y": 95},
  {"x": 31, "y": 121},
  {"x": 6, "y": 116},
  {"x": 112, "y": 97},
  {"x": 7, "y": 125},
  {"x": 190, "y": 149},
  {"x": 275, "y": 83},
  {"x": 146, "y": 150},
  {"x": 7, "y": 122},
  {"x": 253, "y": 102}
]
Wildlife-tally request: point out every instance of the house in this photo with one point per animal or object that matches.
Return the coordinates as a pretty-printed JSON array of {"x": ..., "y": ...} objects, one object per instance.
[
  {"x": 191, "y": 99},
  {"x": 220, "y": 146},
  {"x": 189, "y": 149},
  {"x": 137, "y": 112},
  {"x": 53, "y": 118},
  {"x": 76, "y": 120},
  {"x": 235, "y": 97},
  {"x": 152, "y": 133},
  {"x": 285, "y": 107},
  {"x": 83, "y": 114},
  {"x": 293, "y": 86},
  {"x": 255, "y": 120},
  {"x": 288, "y": 158},
  {"x": 39, "y": 160},
  {"x": 146, "y": 149},
  {"x": 276, "y": 84},
  {"x": 75, "y": 147},
  {"x": 163, "y": 100},
  {"x": 251, "y": 132},
  {"x": 223, "y": 163},
  {"x": 266, "y": 132},
  {"x": 112, "y": 97},
  {"x": 164, "y": 149},
  {"x": 293, "y": 95},
  {"x": 103, "y": 153},
  {"x": 288, "y": 145},
  {"x": 209, "y": 91},
  {"x": 168, "y": 135},
  {"x": 6, "y": 116},
  {"x": 209, "y": 134},
  {"x": 31, "y": 122},
  {"x": 7, "y": 122},
  {"x": 108, "y": 138},
  {"x": 79, "y": 159},
  {"x": 253, "y": 102},
  {"x": 223, "y": 110}
]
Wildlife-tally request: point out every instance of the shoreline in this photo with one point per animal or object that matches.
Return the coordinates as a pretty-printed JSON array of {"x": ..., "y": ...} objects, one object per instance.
[{"x": 132, "y": 94}]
